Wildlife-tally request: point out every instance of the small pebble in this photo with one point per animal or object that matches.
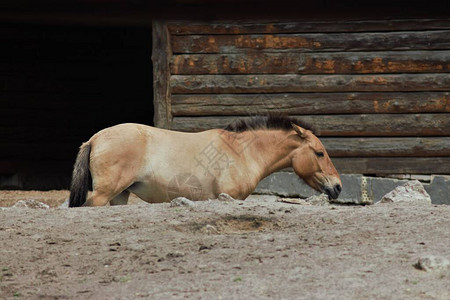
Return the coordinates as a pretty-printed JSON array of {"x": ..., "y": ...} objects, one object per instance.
[
  {"x": 431, "y": 263},
  {"x": 182, "y": 201}
]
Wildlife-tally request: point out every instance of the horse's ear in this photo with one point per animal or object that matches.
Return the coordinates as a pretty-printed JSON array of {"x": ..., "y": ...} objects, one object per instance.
[{"x": 300, "y": 131}]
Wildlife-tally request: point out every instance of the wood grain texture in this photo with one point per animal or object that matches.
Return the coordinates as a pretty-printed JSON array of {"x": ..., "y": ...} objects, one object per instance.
[
  {"x": 189, "y": 28},
  {"x": 161, "y": 53},
  {"x": 286, "y": 83},
  {"x": 309, "y": 103},
  {"x": 377, "y": 91},
  {"x": 392, "y": 165},
  {"x": 387, "y": 147},
  {"x": 346, "y": 125},
  {"x": 336, "y": 42},
  {"x": 312, "y": 63}
]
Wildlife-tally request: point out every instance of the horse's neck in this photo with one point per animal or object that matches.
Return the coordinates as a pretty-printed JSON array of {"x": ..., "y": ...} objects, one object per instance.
[{"x": 268, "y": 151}]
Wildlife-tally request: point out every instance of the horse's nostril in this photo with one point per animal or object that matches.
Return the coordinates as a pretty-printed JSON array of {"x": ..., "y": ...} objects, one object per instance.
[{"x": 338, "y": 188}]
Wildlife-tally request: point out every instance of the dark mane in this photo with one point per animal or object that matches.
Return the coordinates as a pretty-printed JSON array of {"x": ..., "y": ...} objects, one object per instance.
[{"x": 266, "y": 122}]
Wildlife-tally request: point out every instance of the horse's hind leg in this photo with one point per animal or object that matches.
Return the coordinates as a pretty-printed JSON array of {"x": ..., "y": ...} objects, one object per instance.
[
  {"x": 99, "y": 199},
  {"x": 121, "y": 199}
]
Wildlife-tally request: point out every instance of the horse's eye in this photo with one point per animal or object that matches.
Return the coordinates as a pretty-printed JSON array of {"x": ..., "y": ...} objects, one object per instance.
[{"x": 319, "y": 154}]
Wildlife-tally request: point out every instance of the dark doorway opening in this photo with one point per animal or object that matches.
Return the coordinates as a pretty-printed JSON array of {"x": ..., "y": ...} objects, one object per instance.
[{"x": 60, "y": 85}]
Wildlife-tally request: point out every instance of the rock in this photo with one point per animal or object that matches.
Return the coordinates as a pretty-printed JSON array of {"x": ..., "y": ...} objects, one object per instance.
[
  {"x": 319, "y": 200},
  {"x": 30, "y": 203},
  {"x": 294, "y": 201},
  {"x": 411, "y": 191},
  {"x": 432, "y": 263},
  {"x": 209, "y": 229},
  {"x": 65, "y": 204},
  {"x": 182, "y": 201},
  {"x": 439, "y": 189},
  {"x": 175, "y": 254},
  {"x": 225, "y": 197}
]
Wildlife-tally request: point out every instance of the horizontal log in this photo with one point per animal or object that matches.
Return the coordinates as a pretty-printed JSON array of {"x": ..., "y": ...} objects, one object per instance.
[
  {"x": 188, "y": 84},
  {"x": 392, "y": 165},
  {"x": 336, "y": 42},
  {"x": 309, "y": 103},
  {"x": 312, "y": 63},
  {"x": 387, "y": 147},
  {"x": 180, "y": 28},
  {"x": 345, "y": 125}
]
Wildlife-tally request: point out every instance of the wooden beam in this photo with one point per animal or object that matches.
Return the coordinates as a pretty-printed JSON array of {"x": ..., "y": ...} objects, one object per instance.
[
  {"x": 161, "y": 55},
  {"x": 309, "y": 103},
  {"x": 312, "y": 63},
  {"x": 183, "y": 28},
  {"x": 187, "y": 84},
  {"x": 346, "y": 125},
  {"x": 387, "y": 147},
  {"x": 338, "y": 42},
  {"x": 392, "y": 165}
]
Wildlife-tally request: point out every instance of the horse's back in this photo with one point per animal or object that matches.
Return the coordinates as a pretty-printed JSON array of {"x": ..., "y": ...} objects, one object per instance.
[{"x": 140, "y": 147}]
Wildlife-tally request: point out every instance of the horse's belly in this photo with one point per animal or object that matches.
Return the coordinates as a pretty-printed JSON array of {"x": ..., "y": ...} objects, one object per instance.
[{"x": 183, "y": 185}]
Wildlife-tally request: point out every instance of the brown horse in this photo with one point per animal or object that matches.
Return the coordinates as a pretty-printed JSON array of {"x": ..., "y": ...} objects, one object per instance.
[{"x": 159, "y": 165}]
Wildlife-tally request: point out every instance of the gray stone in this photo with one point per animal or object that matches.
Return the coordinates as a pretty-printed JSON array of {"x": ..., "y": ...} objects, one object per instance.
[
  {"x": 285, "y": 184},
  {"x": 439, "y": 189},
  {"x": 65, "y": 204},
  {"x": 379, "y": 186},
  {"x": 411, "y": 191},
  {"x": 182, "y": 201},
  {"x": 320, "y": 200},
  {"x": 352, "y": 191},
  {"x": 288, "y": 184},
  {"x": 225, "y": 197},
  {"x": 298, "y": 201},
  {"x": 209, "y": 229},
  {"x": 175, "y": 254},
  {"x": 432, "y": 263},
  {"x": 356, "y": 189},
  {"x": 30, "y": 203}
]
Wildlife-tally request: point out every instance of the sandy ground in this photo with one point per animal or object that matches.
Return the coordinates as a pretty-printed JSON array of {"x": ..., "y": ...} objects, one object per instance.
[{"x": 253, "y": 249}]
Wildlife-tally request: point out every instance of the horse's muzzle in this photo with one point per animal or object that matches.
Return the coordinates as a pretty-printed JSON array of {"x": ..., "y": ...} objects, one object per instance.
[{"x": 333, "y": 192}]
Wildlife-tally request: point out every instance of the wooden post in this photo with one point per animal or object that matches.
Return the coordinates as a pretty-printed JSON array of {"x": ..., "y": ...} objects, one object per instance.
[{"x": 161, "y": 53}]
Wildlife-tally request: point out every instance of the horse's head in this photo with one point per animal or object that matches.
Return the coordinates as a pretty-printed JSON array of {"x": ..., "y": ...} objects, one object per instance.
[{"x": 311, "y": 162}]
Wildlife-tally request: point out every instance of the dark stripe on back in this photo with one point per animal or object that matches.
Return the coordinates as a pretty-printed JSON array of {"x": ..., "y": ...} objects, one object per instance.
[{"x": 266, "y": 122}]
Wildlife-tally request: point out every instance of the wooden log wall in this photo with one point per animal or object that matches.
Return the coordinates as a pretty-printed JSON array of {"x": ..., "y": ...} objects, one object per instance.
[{"x": 376, "y": 90}]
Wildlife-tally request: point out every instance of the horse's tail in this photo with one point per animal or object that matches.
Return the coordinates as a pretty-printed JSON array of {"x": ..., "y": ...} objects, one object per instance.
[{"x": 80, "y": 177}]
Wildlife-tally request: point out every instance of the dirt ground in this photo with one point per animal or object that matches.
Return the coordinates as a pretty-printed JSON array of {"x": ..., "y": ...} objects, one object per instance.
[{"x": 253, "y": 249}]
